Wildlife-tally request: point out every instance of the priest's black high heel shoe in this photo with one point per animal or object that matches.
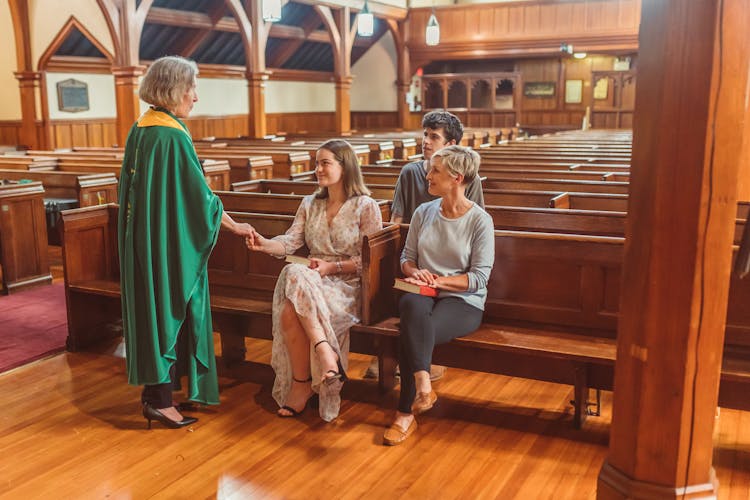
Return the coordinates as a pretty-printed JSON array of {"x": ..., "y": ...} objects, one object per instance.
[
  {"x": 332, "y": 376},
  {"x": 150, "y": 413}
]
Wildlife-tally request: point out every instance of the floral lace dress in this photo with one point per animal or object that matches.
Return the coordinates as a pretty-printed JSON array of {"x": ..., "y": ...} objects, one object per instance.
[{"x": 334, "y": 300}]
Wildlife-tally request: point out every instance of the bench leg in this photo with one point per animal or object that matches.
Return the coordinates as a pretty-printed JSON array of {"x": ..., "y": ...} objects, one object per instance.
[
  {"x": 598, "y": 411},
  {"x": 387, "y": 361},
  {"x": 232, "y": 333},
  {"x": 581, "y": 395},
  {"x": 91, "y": 319}
]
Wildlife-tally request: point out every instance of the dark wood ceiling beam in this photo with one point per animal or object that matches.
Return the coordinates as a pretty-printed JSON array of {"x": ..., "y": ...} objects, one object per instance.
[
  {"x": 289, "y": 47},
  {"x": 195, "y": 20},
  {"x": 204, "y": 22},
  {"x": 189, "y": 42}
]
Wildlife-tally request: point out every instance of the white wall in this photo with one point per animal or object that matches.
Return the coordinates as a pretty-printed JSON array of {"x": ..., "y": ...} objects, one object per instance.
[
  {"x": 10, "y": 97},
  {"x": 101, "y": 96},
  {"x": 218, "y": 97},
  {"x": 374, "y": 85},
  {"x": 300, "y": 97},
  {"x": 47, "y": 18}
]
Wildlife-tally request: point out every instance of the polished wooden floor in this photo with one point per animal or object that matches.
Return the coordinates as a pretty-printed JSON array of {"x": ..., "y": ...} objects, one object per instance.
[{"x": 70, "y": 428}]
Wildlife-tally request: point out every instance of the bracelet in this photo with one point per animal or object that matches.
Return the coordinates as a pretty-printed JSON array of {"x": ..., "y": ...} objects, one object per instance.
[{"x": 339, "y": 267}]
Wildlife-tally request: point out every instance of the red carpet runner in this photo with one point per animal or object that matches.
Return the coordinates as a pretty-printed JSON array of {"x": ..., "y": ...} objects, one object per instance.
[{"x": 33, "y": 324}]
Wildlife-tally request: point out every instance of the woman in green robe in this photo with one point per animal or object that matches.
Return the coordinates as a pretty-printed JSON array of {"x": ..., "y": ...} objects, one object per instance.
[{"x": 169, "y": 222}]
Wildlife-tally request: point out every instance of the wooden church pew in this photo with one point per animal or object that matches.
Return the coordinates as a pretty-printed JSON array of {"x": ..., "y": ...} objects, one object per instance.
[
  {"x": 551, "y": 314},
  {"x": 23, "y": 236},
  {"x": 88, "y": 189}
]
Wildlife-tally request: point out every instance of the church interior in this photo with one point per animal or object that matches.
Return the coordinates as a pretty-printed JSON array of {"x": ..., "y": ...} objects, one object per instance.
[{"x": 613, "y": 357}]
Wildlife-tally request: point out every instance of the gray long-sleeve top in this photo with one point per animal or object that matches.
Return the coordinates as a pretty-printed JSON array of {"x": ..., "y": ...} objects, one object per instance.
[{"x": 449, "y": 247}]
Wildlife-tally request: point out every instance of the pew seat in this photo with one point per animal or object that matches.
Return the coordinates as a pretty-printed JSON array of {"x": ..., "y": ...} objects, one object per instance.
[{"x": 582, "y": 361}]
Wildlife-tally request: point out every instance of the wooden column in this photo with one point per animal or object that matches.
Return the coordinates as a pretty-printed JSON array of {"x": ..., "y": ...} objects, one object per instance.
[
  {"x": 691, "y": 108},
  {"x": 402, "y": 90},
  {"x": 256, "y": 84},
  {"x": 126, "y": 96},
  {"x": 341, "y": 32},
  {"x": 28, "y": 83},
  {"x": 255, "y": 37},
  {"x": 28, "y": 79},
  {"x": 399, "y": 31},
  {"x": 343, "y": 104}
]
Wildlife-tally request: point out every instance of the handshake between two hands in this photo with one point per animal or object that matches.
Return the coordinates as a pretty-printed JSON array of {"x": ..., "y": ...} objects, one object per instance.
[
  {"x": 253, "y": 239},
  {"x": 258, "y": 243}
]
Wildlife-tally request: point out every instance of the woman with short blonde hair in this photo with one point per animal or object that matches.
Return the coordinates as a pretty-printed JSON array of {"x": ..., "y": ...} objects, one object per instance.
[
  {"x": 459, "y": 160},
  {"x": 450, "y": 247}
]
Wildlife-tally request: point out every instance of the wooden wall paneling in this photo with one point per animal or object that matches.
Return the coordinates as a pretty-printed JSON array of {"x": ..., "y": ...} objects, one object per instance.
[
  {"x": 482, "y": 31},
  {"x": 539, "y": 70},
  {"x": 61, "y": 136},
  {"x": 9, "y": 131},
  {"x": 373, "y": 120},
  {"x": 218, "y": 126},
  {"x": 578, "y": 69},
  {"x": 299, "y": 122}
]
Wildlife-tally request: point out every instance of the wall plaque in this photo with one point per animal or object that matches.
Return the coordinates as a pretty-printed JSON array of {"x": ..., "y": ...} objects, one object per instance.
[
  {"x": 539, "y": 89},
  {"x": 72, "y": 95}
]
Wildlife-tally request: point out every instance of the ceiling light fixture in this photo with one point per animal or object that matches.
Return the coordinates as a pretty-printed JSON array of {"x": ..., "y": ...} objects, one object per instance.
[
  {"x": 432, "y": 32},
  {"x": 365, "y": 22},
  {"x": 272, "y": 10}
]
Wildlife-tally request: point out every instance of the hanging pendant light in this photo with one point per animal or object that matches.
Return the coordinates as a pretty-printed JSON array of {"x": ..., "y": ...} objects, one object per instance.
[
  {"x": 272, "y": 10},
  {"x": 432, "y": 33},
  {"x": 365, "y": 22}
]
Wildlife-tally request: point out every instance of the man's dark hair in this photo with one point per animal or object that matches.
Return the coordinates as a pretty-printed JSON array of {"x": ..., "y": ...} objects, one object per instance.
[{"x": 449, "y": 122}]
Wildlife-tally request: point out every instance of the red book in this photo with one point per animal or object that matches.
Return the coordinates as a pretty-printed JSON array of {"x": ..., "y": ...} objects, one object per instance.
[{"x": 428, "y": 291}]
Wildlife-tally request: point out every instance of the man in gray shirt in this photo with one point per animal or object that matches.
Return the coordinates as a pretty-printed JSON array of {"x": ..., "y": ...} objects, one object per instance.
[{"x": 441, "y": 129}]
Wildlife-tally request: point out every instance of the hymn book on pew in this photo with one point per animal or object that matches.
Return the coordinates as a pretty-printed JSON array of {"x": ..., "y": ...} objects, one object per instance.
[
  {"x": 428, "y": 291},
  {"x": 296, "y": 259}
]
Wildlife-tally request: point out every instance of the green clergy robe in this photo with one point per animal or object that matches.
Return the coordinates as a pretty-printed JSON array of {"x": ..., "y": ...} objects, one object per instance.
[{"x": 168, "y": 224}]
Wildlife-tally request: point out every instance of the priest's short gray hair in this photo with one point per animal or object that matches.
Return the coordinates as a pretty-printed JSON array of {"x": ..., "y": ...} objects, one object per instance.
[
  {"x": 167, "y": 81},
  {"x": 459, "y": 160}
]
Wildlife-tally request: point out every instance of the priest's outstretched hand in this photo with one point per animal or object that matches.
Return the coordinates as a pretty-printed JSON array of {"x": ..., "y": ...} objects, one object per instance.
[{"x": 243, "y": 229}]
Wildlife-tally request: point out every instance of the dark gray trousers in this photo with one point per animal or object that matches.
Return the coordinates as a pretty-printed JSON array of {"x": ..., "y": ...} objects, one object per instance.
[{"x": 426, "y": 322}]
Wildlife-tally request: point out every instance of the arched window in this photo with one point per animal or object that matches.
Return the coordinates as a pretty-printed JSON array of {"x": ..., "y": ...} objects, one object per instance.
[
  {"x": 457, "y": 94},
  {"x": 433, "y": 95},
  {"x": 481, "y": 94},
  {"x": 504, "y": 94}
]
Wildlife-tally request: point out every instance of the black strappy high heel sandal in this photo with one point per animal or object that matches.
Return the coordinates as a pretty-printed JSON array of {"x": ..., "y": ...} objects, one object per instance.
[
  {"x": 311, "y": 402},
  {"x": 335, "y": 375}
]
